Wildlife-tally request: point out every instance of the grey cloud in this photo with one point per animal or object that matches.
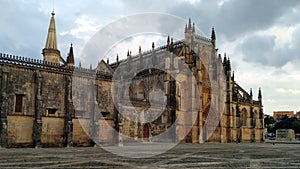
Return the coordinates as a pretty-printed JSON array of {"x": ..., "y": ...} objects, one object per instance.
[
  {"x": 22, "y": 29},
  {"x": 239, "y": 17},
  {"x": 126, "y": 27},
  {"x": 234, "y": 19},
  {"x": 261, "y": 49},
  {"x": 257, "y": 48}
]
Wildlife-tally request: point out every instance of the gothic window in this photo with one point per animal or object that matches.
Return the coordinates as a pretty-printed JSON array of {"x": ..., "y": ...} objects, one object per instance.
[
  {"x": 79, "y": 113},
  {"x": 104, "y": 114},
  {"x": 244, "y": 117},
  {"x": 51, "y": 111},
  {"x": 19, "y": 103},
  {"x": 140, "y": 91}
]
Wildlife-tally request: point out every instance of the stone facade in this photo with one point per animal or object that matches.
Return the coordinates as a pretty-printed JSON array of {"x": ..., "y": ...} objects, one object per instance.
[{"x": 45, "y": 103}]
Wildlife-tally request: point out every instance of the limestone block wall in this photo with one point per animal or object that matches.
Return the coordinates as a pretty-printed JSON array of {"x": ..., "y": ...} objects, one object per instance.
[
  {"x": 52, "y": 131},
  {"x": 19, "y": 130},
  {"x": 106, "y": 131},
  {"x": 21, "y": 82},
  {"x": 195, "y": 135},
  {"x": 246, "y": 134},
  {"x": 53, "y": 93},
  {"x": 216, "y": 135},
  {"x": 81, "y": 132},
  {"x": 259, "y": 135}
]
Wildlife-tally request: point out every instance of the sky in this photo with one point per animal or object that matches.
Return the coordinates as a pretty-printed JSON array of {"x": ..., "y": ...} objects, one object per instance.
[{"x": 261, "y": 37}]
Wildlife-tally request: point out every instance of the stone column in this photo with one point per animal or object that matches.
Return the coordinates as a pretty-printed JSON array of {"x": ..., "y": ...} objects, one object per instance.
[
  {"x": 120, "y": 144},
  {"x": 4, "y": 108},
  {"x": 200, "y": 126},
  {"x": 69, "y": 107},
  {"x": 37, "y": 124},
  {"x": 94, "y": 132},
  {"x": 95, "y": 114}
]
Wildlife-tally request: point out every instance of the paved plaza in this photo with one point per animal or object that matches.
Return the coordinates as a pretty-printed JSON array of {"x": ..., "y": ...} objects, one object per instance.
[{"x": 264, "y": 155}]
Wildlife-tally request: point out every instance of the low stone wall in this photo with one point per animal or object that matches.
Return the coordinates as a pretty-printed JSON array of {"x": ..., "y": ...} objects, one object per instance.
[{"x": 285, "y": 135}]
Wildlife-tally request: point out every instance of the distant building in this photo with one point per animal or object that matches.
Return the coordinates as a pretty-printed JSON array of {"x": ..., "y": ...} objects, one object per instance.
[
  {"x": 297, "y": 115},
  {"x": 278, "y": 115}
]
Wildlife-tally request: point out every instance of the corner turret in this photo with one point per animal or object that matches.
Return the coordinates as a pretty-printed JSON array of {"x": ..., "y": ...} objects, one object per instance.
[{"x": 189, "y": 32}]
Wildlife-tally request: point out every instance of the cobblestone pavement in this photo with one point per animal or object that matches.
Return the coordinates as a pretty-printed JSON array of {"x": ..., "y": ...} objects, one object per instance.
[{"x": 182, "y": 156}]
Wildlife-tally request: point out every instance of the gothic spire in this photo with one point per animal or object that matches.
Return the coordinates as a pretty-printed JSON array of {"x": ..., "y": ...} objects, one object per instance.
[
  {"x": 186, "y": 28},
  {"x": 50, "y": 52},
  {"x": 259, "y": 94},
  {"x": 229, "y": 64},
  {"x": 70, "y": 58},
  {"x": 213, "y": 36},
  {"x": 51, "y": 42},
  {"x": 194, "y": 28},
  {"x": 225, "y": 59}
]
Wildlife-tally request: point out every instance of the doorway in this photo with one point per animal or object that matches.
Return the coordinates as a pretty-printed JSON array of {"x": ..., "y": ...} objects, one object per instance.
[{"x": 146, "y": 132}]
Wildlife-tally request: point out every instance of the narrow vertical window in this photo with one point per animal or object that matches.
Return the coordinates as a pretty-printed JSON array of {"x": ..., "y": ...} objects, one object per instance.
[{"x": 19, "y": 103}]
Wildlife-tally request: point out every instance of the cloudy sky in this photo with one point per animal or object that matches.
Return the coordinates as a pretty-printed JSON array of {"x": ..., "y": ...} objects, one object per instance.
[{"x": 262, "y": 37}]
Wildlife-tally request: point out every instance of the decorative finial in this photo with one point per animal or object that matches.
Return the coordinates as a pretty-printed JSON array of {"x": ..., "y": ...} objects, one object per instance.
[
  {"x": 229, "y": 64},
  {"x": 71, "y": 45},
  {"x": 259, "y": 94},
  {"x": 190, "y": 23},
  {"x": 194, "y": 27},
  {"x": 107, "y": 61},
  {"x": 168, "y": 40},
  {"x": 117, "y": 58},
  {"x": 140, "y": 49},
  {"x": 213, "y": 36},
  {"x": 53, "y": 13},
  {"x": 225, "y": 58},
  {"x": 128, "y": 52},
  {"x": 153, "y": 46}
]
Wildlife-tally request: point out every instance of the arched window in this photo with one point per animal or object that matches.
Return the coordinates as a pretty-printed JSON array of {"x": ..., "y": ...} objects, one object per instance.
[
  {"x": 244, "y": 117},
  {"x": 140, "y": 91}
]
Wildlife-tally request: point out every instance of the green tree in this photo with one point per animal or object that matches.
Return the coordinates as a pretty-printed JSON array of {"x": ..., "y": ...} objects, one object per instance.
[
  {"x": 269, "y": 120},
  {"x": 287, "y": 123}
]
